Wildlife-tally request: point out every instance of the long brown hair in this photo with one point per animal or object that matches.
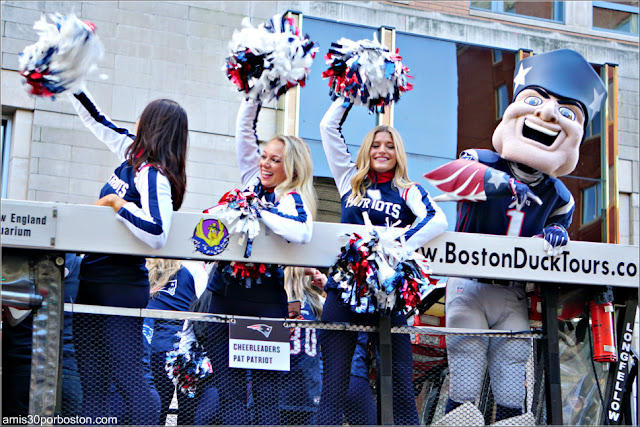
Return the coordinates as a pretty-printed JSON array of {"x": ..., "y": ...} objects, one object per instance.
[{"x": 161, "y": 141}]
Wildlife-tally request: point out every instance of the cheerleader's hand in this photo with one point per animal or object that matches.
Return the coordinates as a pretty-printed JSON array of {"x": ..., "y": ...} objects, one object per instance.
[
  {"x": 319, "y": 279},
  {"x": 555, "y": 239},
  {"x": 114, "y": 201}
]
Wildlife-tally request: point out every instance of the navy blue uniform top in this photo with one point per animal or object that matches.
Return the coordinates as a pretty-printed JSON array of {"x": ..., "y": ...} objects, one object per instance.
[
  {"x": 147, "y": 213},
  {"x": 71, "y": 284},
  {"x": 383, "y": 201},
  {"x": 177, "y": 295},
  {"x": 499, "y": 216},
  {"x": 305, "y": 368}
]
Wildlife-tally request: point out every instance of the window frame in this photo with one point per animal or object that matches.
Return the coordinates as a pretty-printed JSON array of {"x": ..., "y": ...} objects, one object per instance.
[
  {"x": 496, "y": 93},
  {"x": 498, "y": 7},
  {"x": 6, "y": 152},
  {"x": 597, "y": 187},
  {"x": 618, "y": 7}
]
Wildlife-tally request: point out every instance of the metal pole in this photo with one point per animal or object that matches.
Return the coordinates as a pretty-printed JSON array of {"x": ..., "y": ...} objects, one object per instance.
[
  {"x": 553, "y": 392},
  {"x": 619, "y": 371},
  {"x": 385, "y": 377}
]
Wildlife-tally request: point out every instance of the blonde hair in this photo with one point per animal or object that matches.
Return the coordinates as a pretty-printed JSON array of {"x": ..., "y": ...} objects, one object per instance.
[
  {"x": 359, "y": 182},
  {"x": 298, "y": 167},
  {"x": 298, "y": 287},
  {"x": 160, "y": 272}
]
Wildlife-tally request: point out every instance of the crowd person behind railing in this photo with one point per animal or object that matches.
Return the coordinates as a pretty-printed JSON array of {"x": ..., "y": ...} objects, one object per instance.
[
  {"x": 300, "y": 395},
  {"x": 281, "y": 177},
  {"x": 174, "y": 286},
  {"x": 17, "y": 347},
  {"x": 143, "y": 191}
]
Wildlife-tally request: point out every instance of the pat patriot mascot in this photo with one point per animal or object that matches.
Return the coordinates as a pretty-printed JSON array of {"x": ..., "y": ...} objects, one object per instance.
[{"x": 515, "y": 192}]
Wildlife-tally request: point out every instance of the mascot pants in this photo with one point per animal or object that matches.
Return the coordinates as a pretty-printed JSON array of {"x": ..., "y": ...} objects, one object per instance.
[{"x": 473, "y": 304}]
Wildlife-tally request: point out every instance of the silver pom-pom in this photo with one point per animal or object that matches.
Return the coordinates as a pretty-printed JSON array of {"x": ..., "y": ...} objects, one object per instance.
[
  {"x": 366, "y": 73},
  {"x": 67, "y": 51},
  {"x": 266, "y": 61}
]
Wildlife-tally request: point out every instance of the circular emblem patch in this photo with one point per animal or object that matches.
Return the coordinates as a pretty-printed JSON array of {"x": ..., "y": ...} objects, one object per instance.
[{"x": 210, "y": 237}]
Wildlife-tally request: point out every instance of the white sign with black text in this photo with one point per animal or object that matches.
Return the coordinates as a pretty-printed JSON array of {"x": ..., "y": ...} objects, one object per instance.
[
  {"x": 259, "y": 344},
  {"x": 33, "y": 226}
]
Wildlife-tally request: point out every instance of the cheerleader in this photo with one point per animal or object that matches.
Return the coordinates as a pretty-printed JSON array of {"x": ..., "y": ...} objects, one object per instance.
[
  {"x": 143, "y": 192},
  {"x": 376, "y": 184},
  {"x": 299, "y": 399},
  {"x": 281, "y": 175},
  {"x": 174, "y": 286}
]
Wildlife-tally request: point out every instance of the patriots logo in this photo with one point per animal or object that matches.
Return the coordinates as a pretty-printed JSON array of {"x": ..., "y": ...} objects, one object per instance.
[
  {"x": 466, "y": 180},
  {"x": 262, "y": 328}
]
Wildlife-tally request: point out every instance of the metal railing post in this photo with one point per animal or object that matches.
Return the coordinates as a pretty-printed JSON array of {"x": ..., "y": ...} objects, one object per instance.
[{"x": 385, "y": 375}]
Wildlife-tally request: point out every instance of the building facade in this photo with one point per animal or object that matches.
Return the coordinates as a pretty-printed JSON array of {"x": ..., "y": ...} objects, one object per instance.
[{"x": 461, "y": 54}]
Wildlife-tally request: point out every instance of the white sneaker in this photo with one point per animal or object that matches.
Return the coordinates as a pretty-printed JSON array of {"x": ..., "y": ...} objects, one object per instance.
[
  {"x": 466, "y": 414},
  {"x": 521, "y": 420}
]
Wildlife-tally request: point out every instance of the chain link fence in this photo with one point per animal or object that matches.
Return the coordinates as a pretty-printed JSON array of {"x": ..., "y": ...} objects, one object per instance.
[{"x": 495, "y": 371}]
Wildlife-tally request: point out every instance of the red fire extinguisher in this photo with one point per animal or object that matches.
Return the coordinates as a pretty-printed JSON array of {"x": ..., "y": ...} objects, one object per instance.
[{"x": 604, "y": 343}]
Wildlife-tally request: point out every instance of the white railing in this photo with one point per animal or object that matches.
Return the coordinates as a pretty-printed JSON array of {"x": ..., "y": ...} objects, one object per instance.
[{"x": 86, "y": 228}]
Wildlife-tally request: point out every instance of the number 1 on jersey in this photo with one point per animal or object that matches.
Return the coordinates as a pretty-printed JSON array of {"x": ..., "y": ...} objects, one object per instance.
[{"x": 516, "y": 218}]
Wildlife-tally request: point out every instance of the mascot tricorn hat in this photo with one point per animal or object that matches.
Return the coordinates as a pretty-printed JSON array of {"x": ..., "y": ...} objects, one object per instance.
[{"x": 563, "y": 73}]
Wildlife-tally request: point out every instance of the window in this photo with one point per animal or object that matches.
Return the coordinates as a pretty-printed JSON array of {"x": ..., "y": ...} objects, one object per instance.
[
  {"x": 502, "y": 100},
  {"x": 496, "y": 55},
  {"x": 590, "y": 203},
  {"x": 593, "y": 128},
  {"x": 551, "y": 11},
  {"x": 6, "y": 153},
  {"x": 620, "y": 17}
]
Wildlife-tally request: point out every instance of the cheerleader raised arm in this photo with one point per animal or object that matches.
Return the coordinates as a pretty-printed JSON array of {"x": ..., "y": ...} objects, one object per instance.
[
  {"x": 378, "y": 182},
  {"x": 281, "y": 176},
  {"x": 151, "y": 181},
  {"x": 144, "y": 190},
  {"x": 282, "y": 173}
]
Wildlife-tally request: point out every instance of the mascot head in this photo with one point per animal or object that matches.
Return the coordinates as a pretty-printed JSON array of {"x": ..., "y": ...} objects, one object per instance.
[{"x": 556, "y": 94}]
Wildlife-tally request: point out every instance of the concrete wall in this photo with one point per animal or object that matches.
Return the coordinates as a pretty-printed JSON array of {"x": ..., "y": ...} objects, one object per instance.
[{"x": 177, "y": 50}]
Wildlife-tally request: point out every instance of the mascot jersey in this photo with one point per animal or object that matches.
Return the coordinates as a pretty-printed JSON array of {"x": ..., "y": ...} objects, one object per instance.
[
  {"x": 147, "y": 213},
  {"x": 499, "y": 217}
]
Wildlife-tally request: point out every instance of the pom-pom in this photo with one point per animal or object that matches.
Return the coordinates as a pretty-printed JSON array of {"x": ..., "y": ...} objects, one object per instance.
[
  {"x": 241, "y": 210},
  {"x": 267, "y": 61},
  {"x": 366, "y": 73},
  {"x": 187, "y": 366},
  {"x": 246, "y": 273},
  {"x": 67, "y": 51},
  {"x": 375, "y": 273}
]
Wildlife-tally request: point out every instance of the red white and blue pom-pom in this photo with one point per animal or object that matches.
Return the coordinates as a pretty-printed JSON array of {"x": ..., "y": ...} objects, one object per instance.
[
  {"x": 375, "y": 273},
  {"x": 240, "y": 210},
  {"x": 366, "y": 73},
  {"x": 266, "y": 61},
  {"x": 246, "y": 274},
  {"x": 188, "y": 365},
  {"x": 67, "y": 51}
]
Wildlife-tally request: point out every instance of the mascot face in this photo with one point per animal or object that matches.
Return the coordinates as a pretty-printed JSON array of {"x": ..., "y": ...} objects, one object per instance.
[{"x": 541, "y": 131}]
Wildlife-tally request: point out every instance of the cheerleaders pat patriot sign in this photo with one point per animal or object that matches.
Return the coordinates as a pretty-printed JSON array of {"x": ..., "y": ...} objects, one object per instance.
[{"x": 259, "y": 344}]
